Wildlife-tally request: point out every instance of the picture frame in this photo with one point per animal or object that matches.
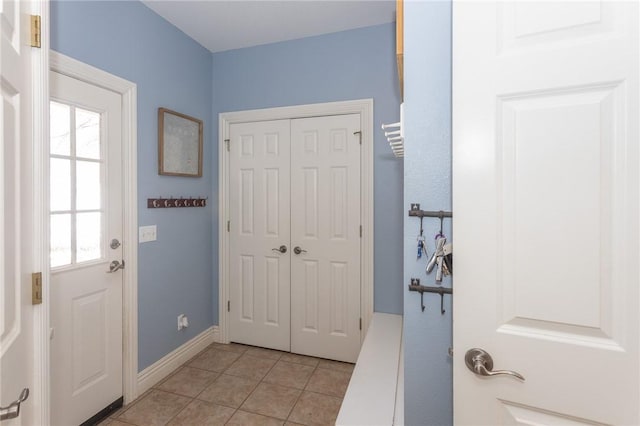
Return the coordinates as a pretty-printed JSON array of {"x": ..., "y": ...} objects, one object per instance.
[{"x": 179, "y": 144}]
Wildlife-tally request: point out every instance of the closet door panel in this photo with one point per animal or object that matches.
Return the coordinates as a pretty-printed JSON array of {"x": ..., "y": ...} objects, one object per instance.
[
  {"x": 259, "y": 200},
  {"x": 325, "y": 225}
]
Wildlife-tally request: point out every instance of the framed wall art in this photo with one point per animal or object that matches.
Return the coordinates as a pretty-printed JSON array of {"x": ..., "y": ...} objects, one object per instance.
[{"x": 179, "y": 144}]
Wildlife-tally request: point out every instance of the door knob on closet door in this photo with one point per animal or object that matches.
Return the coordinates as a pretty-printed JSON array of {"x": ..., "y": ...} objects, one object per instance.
[
  {"x": 282, "y": 249},
  {"x": 298, "y": 250},
  {"x": 481, "y": 363}
]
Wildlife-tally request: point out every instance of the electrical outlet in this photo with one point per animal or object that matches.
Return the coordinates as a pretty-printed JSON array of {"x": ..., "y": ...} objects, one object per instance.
[
  {"x": 147, "y": 233},
  {"x": 183, "y": 321}
]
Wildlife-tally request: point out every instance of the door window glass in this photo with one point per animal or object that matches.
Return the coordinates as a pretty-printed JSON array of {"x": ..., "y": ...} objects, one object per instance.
[
  {"x": 76, "y": 191},
  {"x": 87, "y": 134},
  {"x": 60, "y": 129}
]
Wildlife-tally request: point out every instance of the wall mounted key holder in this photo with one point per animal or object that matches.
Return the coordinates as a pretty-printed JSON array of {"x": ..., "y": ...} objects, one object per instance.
[
  {"x": 163, "y": 203},
  {"x": 415, "y": 286},
  {"x": 416, "y": 212},
  {"x": 442, "y": 254}
]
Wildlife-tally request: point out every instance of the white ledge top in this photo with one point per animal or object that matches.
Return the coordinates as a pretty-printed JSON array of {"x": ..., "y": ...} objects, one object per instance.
[{"x": 371, "y": 396}]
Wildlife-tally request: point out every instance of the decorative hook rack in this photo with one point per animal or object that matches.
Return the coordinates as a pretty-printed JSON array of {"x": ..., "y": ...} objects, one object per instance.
[
  {"x": 162, "y": 203},
  {"x": 415, "y": 286},
  {"x": 416, "y": 212}
]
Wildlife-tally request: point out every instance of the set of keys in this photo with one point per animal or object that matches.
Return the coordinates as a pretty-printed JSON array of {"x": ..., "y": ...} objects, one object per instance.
[
  {"x": 441, "y": 259},
  {"x": 422, "y": 249}
]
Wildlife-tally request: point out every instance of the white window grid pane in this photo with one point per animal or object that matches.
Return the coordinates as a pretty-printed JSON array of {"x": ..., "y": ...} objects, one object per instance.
[
  {"x": 86, "y": 137},
  {"x": 73, "y": 211},
  {"x": 60, "y": 132}
]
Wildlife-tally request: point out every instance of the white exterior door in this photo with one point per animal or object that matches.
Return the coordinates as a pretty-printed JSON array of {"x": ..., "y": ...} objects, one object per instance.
[
  {"x": 546, "y": 217},
  {"x": 259, "y": 212},
  {"x": 294, "y": 197},
  {"x": 17, "y": 254},
  {"x": 86, "y": 221},
  {"x": 325, "y": 226}
]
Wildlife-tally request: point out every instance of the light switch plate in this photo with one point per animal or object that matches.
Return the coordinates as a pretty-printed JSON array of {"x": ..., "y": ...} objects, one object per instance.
[{"x": 147, "y": 233}]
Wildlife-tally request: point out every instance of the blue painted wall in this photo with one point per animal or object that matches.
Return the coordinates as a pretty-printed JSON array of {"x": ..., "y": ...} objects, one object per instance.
[
  {"x": 178, "y": 273},
  {"x": 348, "y": 65},
  {"x": 427, "y": 167},
  {"x": 171, "y": 70}
]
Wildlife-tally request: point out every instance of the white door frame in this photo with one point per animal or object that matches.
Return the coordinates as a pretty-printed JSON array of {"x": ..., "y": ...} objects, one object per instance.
[
  {"x": 40, "y": 121},
  {"x": 364, "y": 107},
  {"x": 128, "y": 91}
]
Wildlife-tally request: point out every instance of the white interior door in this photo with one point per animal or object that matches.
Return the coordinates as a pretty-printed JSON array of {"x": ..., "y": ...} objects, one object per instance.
[
  {"x": 294, "y": 244},
  {"x": 259, "y": 211},
  {"x": 86, "y": 237},
  {"x": 325, "y": 227},
  {"x": 545, "y": 196},
  {"x": 16, "y": 213}
]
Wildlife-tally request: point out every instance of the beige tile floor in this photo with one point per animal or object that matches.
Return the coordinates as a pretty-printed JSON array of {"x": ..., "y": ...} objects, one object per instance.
[{"x": 242, "y": 385}]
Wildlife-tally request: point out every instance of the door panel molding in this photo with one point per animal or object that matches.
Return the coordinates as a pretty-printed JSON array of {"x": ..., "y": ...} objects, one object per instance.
[
  {"x": 259, "y": 203},
  {"x": 364, "y": 107},
  {"x": 128, "y": 91},
  {"x": 327, "y": 226},
  {"x": 545, "y": 156}
]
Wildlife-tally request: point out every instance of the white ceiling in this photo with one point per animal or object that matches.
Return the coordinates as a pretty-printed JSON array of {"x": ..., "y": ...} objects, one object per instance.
[{"x": 222, "y": 25}]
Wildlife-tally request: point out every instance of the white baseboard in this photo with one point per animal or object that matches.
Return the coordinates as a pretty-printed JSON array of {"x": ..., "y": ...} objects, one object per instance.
[{"x": 160, "y": 369}]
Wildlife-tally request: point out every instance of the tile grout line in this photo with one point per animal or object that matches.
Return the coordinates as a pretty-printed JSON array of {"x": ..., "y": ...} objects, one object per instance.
[
  {"x": 184, "y": 396},
  {"x": 236, "y": 409},
  {"x": 301, "y": 392},
  {"x": 264, "y": 356},
  {"x": 254, "y": 389},
  {"x": 121, "y": 421},
  {"x": 179, "y": 411}
]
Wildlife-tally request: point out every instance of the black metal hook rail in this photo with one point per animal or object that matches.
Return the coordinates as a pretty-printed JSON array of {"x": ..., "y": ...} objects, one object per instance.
[
  {"x": 415, "y": 286},
  {"x": 425, "y": 213},
  {"x": 440, "y": 214}
]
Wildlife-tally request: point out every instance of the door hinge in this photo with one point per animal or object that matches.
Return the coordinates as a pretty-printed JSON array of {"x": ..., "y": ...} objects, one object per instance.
[
  {"x": 228, "y": 226},
  {"x": 359, "y": 133},
  {"x": 360, "y": 231},
  {"x": 228, "y": 305},
  {"x": 228, "y": 143},
  {"x": 36, "y": 288},
  {"x": 360, "y": 323},
  {"x": 35, "y": 31}
]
